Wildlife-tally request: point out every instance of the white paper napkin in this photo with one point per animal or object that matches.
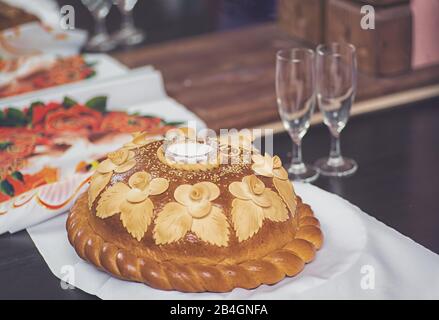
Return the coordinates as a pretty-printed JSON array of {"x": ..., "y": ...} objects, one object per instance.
[{"x": 356, "y": 245}]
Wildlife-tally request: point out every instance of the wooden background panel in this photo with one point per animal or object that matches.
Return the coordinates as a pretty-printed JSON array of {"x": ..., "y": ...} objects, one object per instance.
[{"x": 228, "y": 78}]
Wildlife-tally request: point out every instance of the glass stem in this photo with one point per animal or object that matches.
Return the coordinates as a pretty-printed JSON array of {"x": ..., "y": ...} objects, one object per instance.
[
  {"x": 297, "y": 153},
  {"x": 335, "y": 158},
  {"x": 100, "y": 26},
  {"x": 127, "y": 22},
  {"x": 297, "y": 165}
]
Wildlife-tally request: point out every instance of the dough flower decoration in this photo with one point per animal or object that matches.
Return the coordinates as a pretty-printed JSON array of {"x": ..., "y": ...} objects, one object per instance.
[
  {"x": 132, "y": 202},
  {"x": 118, "y": 161},
  {"x": 254, "y": 203},
  {"x": 271, "y": 167},
  {"x": 268, "y": 166},
  {"x": 140, "y": 139},
  {"x": 193, "y": 211},
  {"x": 181, "y": 134}
]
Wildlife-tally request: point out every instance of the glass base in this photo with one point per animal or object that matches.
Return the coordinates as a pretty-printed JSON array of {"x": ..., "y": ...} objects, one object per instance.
[
  {"x": 302, "y": 173},
  {"x": 100, "y": 43},
  {"x": 336, "y": 168},
  {"x": 129, "y": 36}
]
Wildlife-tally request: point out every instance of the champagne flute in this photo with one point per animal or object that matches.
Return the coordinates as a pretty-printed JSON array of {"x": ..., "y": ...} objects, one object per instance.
[
  {"x": 100, "y": 41},
  {"x": 336, "y": 88},
  {"x": 295, "y": 91},
  {"x": 128, "y": 34}
]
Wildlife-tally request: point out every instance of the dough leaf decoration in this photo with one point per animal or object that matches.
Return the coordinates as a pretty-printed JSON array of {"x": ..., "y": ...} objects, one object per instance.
[
  {"x": 111, "y": 199},
  {"x": 193, "y": 211},
  {"x": 247, "y": 218},
  {"x": 271, "y": 167},
  {"x": 254, "y": 203},
  {"x": 118, "y": 161},
  {"x": 132, "y": 202},
  {"x": 98, "y": 182},
  {"x": 286, "y": 191},
  {"x": 136, "y": 217}
]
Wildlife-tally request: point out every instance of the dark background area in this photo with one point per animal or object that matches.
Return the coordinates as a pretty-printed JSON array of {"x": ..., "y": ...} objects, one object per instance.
[{"x": 164, "y": 20}]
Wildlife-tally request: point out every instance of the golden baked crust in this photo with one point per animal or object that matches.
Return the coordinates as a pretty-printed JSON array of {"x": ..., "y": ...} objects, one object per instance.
[
  {"x": 195, "y": 228},
  {"x": 124, "y": 263}
]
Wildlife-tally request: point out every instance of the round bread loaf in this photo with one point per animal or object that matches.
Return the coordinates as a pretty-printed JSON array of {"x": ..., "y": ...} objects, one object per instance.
[{"x": 193, "y": 227}]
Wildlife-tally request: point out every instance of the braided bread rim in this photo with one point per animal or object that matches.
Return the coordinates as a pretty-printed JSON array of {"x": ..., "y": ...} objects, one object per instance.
[{"x": 170, "y": 275}]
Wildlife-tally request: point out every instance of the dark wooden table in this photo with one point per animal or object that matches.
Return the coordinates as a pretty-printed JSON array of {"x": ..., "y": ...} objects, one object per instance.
[{"x": 398, "y": 154}]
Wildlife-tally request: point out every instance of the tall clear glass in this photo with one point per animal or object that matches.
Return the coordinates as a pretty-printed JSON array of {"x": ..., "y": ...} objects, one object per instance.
[
  {"x": 101, "y": 40},
  {"x": 336, "y": 88},
  {"x": 295, "y": 91},
  {"x": 128, "y": 34}
]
